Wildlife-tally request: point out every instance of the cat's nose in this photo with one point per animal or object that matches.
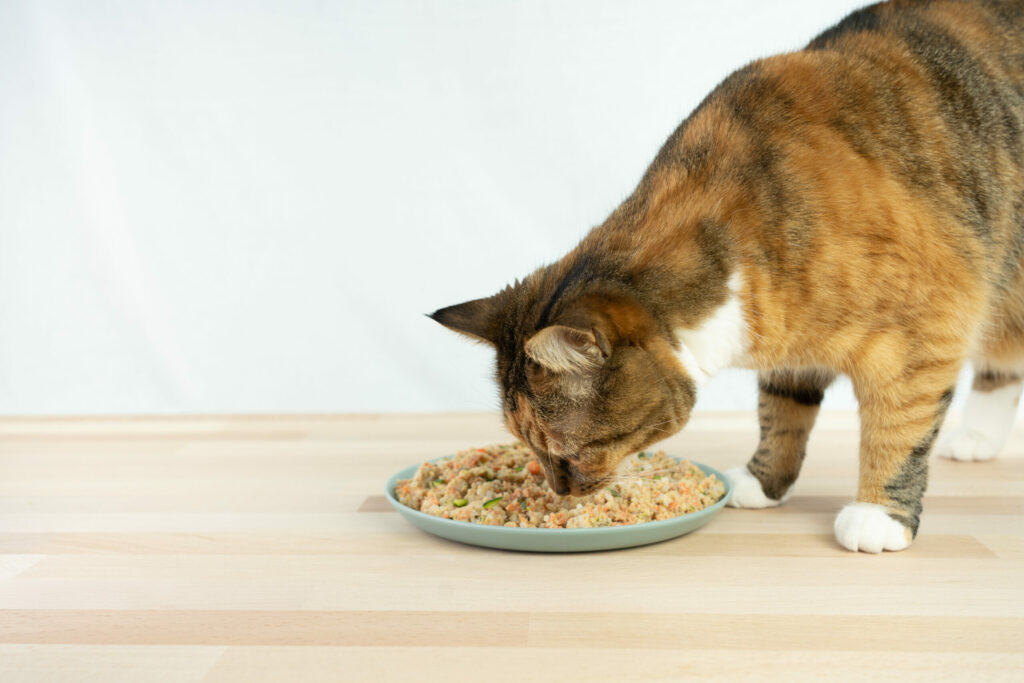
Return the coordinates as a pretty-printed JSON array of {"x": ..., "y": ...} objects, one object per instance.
[
  {"x": 557, "y": 474},
  {"x": 559, "y": 483},
  {"x": 579, "y": 484}
]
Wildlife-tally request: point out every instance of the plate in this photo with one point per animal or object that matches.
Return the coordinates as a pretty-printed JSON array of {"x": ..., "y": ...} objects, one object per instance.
[{"x": 558, "y": 540}]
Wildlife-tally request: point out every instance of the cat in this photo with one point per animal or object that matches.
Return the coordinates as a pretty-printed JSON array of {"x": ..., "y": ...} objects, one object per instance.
[{"x": 855, "y": 207}]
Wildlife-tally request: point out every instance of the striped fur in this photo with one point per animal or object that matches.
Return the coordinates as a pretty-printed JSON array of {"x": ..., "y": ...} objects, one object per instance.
[{"x": 867, "y": 192}]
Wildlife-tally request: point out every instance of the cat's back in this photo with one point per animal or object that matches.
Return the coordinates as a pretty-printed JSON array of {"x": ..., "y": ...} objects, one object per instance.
[
  {"x": 929, "y": 93},
  {"x": 940, "y": 101},
  {"x": 994, "y": 26},
  {"x": 969, "y": 52},
  {"x": 933, "y": 90},
  {"x": 910, "y": 108},
  {"x": 895, "y": 137},
  {"x": 960, "y": 60}
]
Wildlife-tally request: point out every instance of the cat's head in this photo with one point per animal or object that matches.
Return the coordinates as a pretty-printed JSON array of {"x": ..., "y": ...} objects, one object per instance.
[{"x": 587, "y": 374}]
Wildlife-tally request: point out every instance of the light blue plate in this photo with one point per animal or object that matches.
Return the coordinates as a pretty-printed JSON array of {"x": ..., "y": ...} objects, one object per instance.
[{"x": 558, "y": 540}]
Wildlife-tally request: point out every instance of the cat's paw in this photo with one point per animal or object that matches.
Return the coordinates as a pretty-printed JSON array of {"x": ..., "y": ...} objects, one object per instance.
[
  {"x": 747, "y": 491},
  {"x": 867, "y": 527},
  {"x": 968, "y": 445}
]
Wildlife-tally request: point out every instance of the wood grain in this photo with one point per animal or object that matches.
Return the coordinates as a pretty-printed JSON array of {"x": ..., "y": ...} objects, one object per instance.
[{"x": 261, "y": 548}]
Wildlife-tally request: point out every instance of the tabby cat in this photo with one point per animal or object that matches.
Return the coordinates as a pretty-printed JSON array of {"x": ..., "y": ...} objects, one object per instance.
[{"x": 854, "y": 207}]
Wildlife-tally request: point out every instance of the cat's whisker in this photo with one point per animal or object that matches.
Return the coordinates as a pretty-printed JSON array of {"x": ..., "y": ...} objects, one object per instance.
[
  {"x": 655, "y": 424},
  {"x": 646, "y": 474},
  {"x": 662, "y": 470}
]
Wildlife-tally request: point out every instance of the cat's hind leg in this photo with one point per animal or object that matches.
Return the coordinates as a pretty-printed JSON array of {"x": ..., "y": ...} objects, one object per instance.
[
  {"x": 787, "y": 407},
  {"x": 998, "y": 378},
  {"x": 988, "y": 416}
]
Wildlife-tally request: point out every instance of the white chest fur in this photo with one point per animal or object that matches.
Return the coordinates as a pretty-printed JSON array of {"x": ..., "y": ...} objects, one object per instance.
[{"x": 720, "y": 341}]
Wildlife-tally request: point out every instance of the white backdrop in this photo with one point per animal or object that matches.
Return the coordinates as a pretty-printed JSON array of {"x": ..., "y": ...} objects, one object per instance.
[{"x": 249, "y": 206}]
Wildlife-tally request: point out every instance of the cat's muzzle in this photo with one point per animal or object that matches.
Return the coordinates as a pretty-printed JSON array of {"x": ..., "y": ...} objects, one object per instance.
[{"x": 564, "y": 479}]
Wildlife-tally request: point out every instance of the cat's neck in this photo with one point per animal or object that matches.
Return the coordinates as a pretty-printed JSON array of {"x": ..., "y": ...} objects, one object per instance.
[
  {"x": 698, "y": 305},
  {"x": 674, "y": 240},
  {"x": 673, "y": 245}
]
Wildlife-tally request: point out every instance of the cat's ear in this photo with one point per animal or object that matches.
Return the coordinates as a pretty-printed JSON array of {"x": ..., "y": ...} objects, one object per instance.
[
  {"x": 568, "y": 349},
  {"x": 479, "y": 319}
]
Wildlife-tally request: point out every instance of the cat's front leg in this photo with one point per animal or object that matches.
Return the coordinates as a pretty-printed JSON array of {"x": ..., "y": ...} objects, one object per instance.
[
  {"x": 900, "y": 418},
  {"x": 787, "y": 407}
]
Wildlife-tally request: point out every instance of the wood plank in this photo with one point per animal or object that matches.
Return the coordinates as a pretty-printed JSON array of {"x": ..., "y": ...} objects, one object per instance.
[
  {"x": 960, "y": 597},
  {"x": 514, "y": 629},
  {"x": 777, "y": 632},
  {"x": 704, "y": 543},
  {"x": 34, "y": 663},
  {"x": 306, "y": 627},
  {"x": 610, "y": 665}
]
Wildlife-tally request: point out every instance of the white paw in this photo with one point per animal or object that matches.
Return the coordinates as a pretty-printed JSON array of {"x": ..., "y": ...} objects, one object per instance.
[
  {"x": 968, "y": 444},
  {"x": 747, "y": 492},
  {"x": 868, "y": 528}
]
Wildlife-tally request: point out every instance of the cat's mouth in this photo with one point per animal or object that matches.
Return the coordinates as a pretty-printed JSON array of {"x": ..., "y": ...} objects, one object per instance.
[{"x": 566, "y": 479}]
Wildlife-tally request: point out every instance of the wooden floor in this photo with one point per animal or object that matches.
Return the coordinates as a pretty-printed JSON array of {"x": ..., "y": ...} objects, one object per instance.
[{"x": 262, "y": 549}]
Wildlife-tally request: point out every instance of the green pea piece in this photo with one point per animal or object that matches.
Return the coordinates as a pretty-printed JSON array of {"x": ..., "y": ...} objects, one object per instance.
[
  {"x": 459, "y": 502},
  {"x": 492, "y": 502}
]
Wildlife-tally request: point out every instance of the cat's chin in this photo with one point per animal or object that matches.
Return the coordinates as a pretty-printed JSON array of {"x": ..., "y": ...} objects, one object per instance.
[
  {"x": 585, "y": 490},
  {"x": 578, "y": 486},
  {"x": 576, "y": 489}
]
